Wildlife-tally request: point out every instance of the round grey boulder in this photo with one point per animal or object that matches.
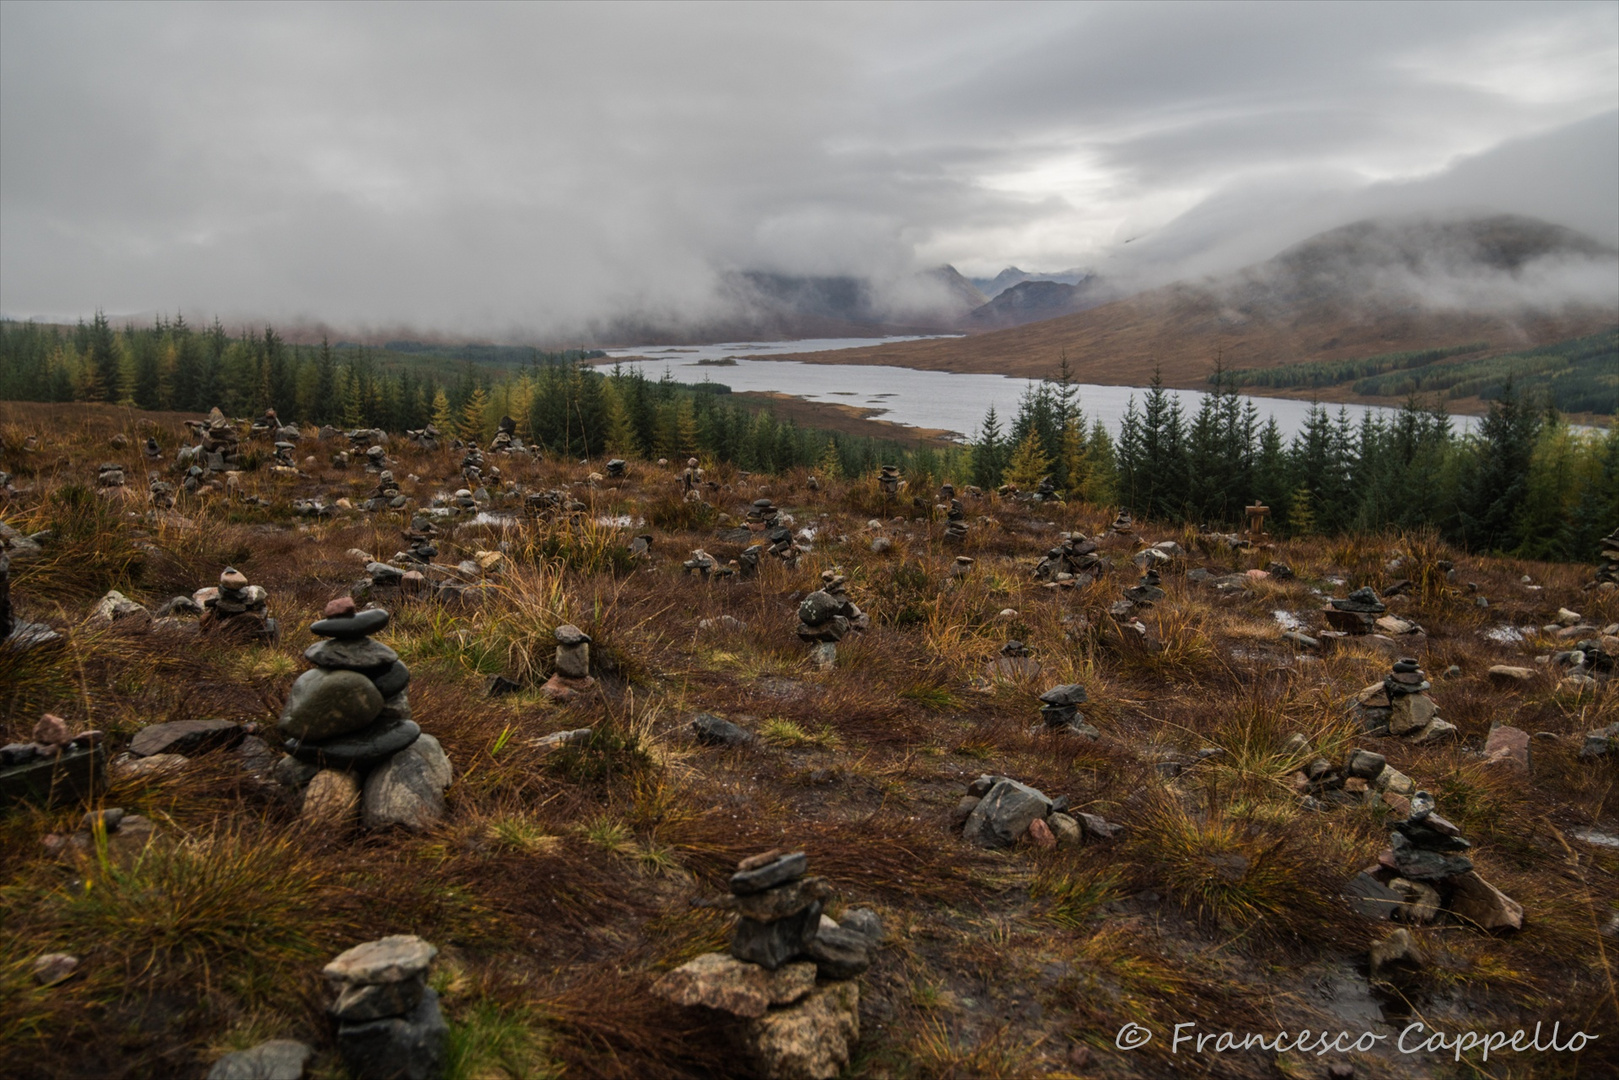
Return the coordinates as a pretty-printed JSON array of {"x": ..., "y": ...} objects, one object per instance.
[{"x": 324, "y": 704}]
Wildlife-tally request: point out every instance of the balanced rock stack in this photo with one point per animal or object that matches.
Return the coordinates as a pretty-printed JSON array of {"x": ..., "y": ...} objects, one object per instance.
[
  {"x": 888, "y": 480},
  {"x": 465, "y": 501},
  {"x": 389, "y": 1026},
  {"x": 376, "y": 458},
  {"x": 1014, "y": 662},
  {"x": 1046, "y": 491},
  {"x": 472, "y": 465},
  {"x": 826, "y": 616},
  {"x": 1425, "y": 872},
  {"x": 705, "y": 565},
  {"x": 1073, "y": 562},
  {"x": 1608, "y": 567},
  {"x": 387, "y": 495},
  {"x": 1357, "y": 613},
  {"x": 427, "y": 438},
  {"x": 160, "y": 492},
  {"x": 1059, "y": 710},
  {"x": 1145, "y": 593},
  {"x": 284, "y": 454},
  {"x": 691, "y": 477},
  {"x": 110, "y": 474},
  {"x": 1401, "y": 704},
  {"x": 955, "y": 530},
  {"x": 220, "y": 446},
  {"x": 616, "y": 468},
  {"x": 505, "y": 439},
  {"x": 352, "y": 707},
  {"x": 764, "y": 516},
  {"x": 419, "y": 540},
  {"x": 1122, "y": 524},
  {"x": 572, "y": 675},
  {"x": 151, "y": 449},
  {"x": 789, "y": 972},
  {"x": 236, "y": 608}
]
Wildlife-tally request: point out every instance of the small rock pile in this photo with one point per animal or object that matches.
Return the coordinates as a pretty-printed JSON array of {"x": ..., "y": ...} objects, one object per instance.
[
  {"x": 152, "y": 451},
  {"x": 1365, "y": 778},
  {"x": 109, "y": 474},
  {"x": 389, "y": 1026},
  {"x": 888, "y": 480},
  {"x": 616, "y": 468},
  {"x": 57, "y": 766},
  {"x": 159, "y": 492},
  {"x": 1059, "y": 711},
  {"x": 1014, "y": 662},
  {"x": 1073, "y": 562},
  {"x": 220, "y": 448},
  {"x": 1608, "y": 566},
  {"x": 1122, "y": 524},
  {"x": 706, "y": 566},
  {"x": 505, "y": 440},
  {"x": 765, "y": 517},
  {"x": 236, "y": 608},
  {"x": 955, "y": 529},
  {"x": 826, "y": 616},
  {"x": 572, "y": 676},
  {"x": 1424, "y": 872},
  {"x": 387, "y": 495},
  {"x": 1400, "y": 705},
  {"x": 1145, "y": 593},
  {"x": 1045, "y": 491},
  {"x": 997, "y": 812},
  {"x": 427, "y": 438},
  {"x": 419, "y": 542},
  {"x": 789, "y": 972},
  {"x": 1357, "y": 613}
]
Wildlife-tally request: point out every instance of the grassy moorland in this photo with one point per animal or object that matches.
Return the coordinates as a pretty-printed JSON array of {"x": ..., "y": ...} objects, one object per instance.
[{"x": 558, "y": 887}]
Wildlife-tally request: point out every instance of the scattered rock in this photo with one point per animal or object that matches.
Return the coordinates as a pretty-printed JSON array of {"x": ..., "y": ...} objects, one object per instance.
[
  {"x": 187, "y": 738},
  {"x": 408, "y": 789},
  {"x": 277, "y": 1059},
  {"x": 53, "y": 968},
  {"x": 1003, "y": 815},
  {"x": 713, "y": 730}
]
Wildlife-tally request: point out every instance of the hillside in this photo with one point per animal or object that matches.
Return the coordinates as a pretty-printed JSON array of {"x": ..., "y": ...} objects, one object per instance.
[{"x": 1370, "y": 288}]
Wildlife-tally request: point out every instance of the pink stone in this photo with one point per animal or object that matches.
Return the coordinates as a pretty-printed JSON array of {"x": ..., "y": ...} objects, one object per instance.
[
  {"x": 1508, "y": 744},
  {"x": 342, "y": 607},
  {"x": 51, "y": 730},
  {"x": 1258, "y": 574},
  {"x": 1041, "y": 834}
]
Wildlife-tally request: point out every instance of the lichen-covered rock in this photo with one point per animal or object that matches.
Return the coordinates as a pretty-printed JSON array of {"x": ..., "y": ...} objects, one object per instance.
[
  {"x": 720, "y": 981},
  {"x": 810, "y": 1040}
]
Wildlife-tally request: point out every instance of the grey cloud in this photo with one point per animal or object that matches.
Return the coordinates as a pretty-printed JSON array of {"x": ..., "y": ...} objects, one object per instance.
[{"x": 527, "y": 170}]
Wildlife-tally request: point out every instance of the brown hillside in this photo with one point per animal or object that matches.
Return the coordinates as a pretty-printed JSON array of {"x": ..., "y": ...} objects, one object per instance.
[{"x": 1359, "y": 291}]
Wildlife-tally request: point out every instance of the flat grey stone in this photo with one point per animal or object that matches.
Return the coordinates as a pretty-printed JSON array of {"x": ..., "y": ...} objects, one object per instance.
[
  {"x": 373, "y": 1001},
  {"x": 712, "y": 730},
  {"x": 1068, "y": 694},
  {"x": 278, "y": 1059},
  {"x": 569, "y": 634},
  {"x": 1004, "y": 814},
  {"x": 326, "y": 703},
  {"x": 352, "y": 655},
  {"x": 395, "y": 958},
  {"x": 185, "y": 737},
  {"x": 384, "y": 738},
  {"x": 838, "y": 953},
  {"x": 777, "y": 872},
  {"x": 772, "y": 944},
  {"x": 347, "y": 628}
]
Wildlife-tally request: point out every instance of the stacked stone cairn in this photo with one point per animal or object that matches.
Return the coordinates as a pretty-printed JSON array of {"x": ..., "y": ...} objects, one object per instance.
[
  {"x": 1608, "y": 566},
  {"x": 236, "y": 609},
  {"x": 1425, "y": 872},
  {"x": 1046, "y": 491},
  {"x": 1357, "y": 613},
  {"x": 1400, "y": 705},
  {"x": 691, "y": 478},
  {"x": 389, "y": 1026},
  {"x": 387, "y": 495},
  {"x": 1073, "y": 562},
  {"x": 1013, "y": 662},
  {"x": 152, "y": 451},
  {"x": 789, "y": 972},
  {"x": 160, "y": 492},
  {"x": 955, "y": 529},
  {"x": 109, "y": 474},
  {"x": 352, "y": 707},
  {"x": 427, "y": 438},
  {"x": 826, "y": 616},
  {"x": 285, "y": 454},
  {"x": 465, "y": 501},
  {"x": 505, "y": 440},
  {"x": 1059, "y": 711},
  {"x": 1145, "y": 593},
  {"x": 1365, "y": 778},
  {"x": 376, "y": 459},
  {"x": 888, "y": 480},
  {"x": 765, "y": 517},
  {"x": 572, "y": 676},
  {"x": 220, "y": 449},
  {"x": 707, "y": 566},
  {"x": 419, "y": 540},
  {"x": 1122, "y": 524},
  {"x": 616, "y": 468}
]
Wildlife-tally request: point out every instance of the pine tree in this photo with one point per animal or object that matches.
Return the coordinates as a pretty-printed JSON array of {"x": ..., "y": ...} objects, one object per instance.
[
  {"x": 442, "y": 418},
  {"x": 473, "y": 415},
  {"x": 988, "y": 453},
  {"x": 1301, "y": 511},
  {"x": 830, "y": 465},
  {"x": 1029, "y": 463},
  {"x": 1101, "y": 468}
]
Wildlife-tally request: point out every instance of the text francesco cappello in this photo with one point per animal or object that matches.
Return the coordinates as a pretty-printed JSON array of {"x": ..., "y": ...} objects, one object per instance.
[{"x": 1415, "y": 1038}]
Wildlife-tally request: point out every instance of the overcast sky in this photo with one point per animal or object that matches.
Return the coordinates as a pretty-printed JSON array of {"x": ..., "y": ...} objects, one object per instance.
[{"x": 515, "y": 169}]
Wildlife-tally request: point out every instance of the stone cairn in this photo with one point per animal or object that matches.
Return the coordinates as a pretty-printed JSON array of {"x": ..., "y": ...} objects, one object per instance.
[
  {"x": 707, "y": 566},
  {"x": 572, "y": 676},
  {"x": 1122, "y": 524},
  {"x": 888, "y": 481},
  {"x": 1400, "y": 705},
  {"x": 789, "y": 972},
  {"x": 152, "y": 451},
  {"x": 955, "y": 529},
  {"x": 159, "y": 492},
  {"x": 1073, "y": 562},
  {"x": 826, "y": 616},
  {"x": 220, "y": 448},
  {"x": 765, "y": 517},
  {"x": 1608, "y": 566},
  {"x": 352, "y": 707},
  {"x": 1357, "y": 613},
  {"x": 1145, "y": 593},
  {"x": 389, "y": 1026},
  {"x": 1013, "y": 662},
  {"x": 109, "y": 474},
  {"x": 616, "y": 468},
  {"x": 691, "y": 479},
  {"x": 419, "y": 542},
  {"x": 505, "y": 440},
  {"x": 236, "y": 608},
  {"x": 387, "y": 495},
  {"x": 427, "y": 438},
  {"x": 1046, "y": 491},
  {"x": 1425, "y": 872},
  {"x": 1059, "y": 711}
]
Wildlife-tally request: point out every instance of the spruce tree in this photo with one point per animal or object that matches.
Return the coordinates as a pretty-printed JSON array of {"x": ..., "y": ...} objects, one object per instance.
[{"x": 1029, "y": 463}]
